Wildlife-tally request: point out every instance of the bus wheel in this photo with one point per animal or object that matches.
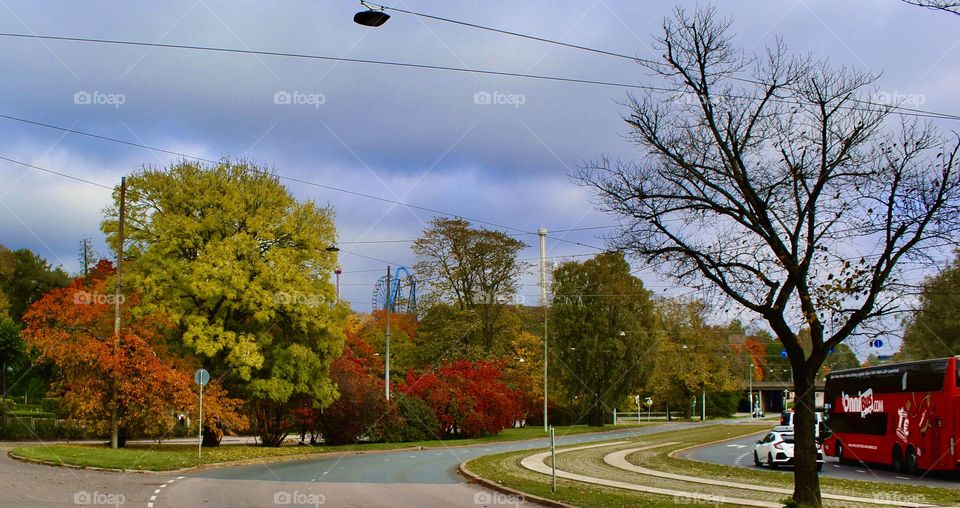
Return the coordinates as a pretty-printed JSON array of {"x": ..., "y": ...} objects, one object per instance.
[
  {"x": 843, "y": 460},
  {"x": 897, "y": 459},
  {"x": 910, "y": 460}
]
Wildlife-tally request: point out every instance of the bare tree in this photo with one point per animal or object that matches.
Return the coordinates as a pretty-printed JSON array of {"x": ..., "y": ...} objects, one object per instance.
[
  {"x": 787, "y": 191},
  {"x": 950, "y": 6}
]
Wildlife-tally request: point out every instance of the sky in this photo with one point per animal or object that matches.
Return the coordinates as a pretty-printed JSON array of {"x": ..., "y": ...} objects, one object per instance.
[{"x": 490, "y": 148}]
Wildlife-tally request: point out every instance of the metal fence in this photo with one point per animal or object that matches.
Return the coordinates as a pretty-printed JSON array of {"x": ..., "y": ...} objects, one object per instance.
[{"x": 630, "y": 418}]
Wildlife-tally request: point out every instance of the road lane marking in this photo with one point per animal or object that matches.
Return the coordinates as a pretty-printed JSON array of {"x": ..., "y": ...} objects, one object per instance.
[
  {"x": 861, "y": 471},
  {"x": 902, "y": 477},
  {"x": 156, "y": 491}
]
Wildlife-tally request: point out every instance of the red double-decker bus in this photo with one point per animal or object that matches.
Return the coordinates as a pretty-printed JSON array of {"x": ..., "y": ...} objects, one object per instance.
[{"x": 906, "y": 415}]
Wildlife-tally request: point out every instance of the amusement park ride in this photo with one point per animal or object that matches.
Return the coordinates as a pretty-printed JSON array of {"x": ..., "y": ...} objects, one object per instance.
[{"x": 402, "y": 294}]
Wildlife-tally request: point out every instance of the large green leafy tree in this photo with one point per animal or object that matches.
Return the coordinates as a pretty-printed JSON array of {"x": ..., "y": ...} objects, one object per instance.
[
  {"x": 933, "y": 329},
  {"x": 25, "y": 277},
  {"x": 475, "y": 270},
  {"x": 693, "y": 358},
  {"x": 603, "y": 345},
  {"x": 240, "y": 267}
]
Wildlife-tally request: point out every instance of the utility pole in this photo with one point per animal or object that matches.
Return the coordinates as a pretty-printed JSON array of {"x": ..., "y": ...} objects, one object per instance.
[
  {"x": 751, "y": 389},
  {"x": 386, "y": 375},
  {"x": 543, "y": 302},
  {"x": 114, "y": 427}
]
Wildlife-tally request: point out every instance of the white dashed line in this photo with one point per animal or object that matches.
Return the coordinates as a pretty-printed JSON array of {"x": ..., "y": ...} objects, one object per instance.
[
  {"x": 902, "y": 477},
  {"x": 160, "y": 489},
  {"x": 861, "y": 471}
]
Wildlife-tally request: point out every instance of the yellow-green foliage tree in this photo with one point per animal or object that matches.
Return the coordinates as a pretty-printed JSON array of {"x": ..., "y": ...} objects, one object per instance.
[
  {"x": 692, "y": 357},
  {"x": 241, "y": 268}
]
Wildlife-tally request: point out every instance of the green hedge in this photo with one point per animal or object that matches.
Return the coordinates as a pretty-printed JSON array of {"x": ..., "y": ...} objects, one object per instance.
[{"x": 20, "y": 428}]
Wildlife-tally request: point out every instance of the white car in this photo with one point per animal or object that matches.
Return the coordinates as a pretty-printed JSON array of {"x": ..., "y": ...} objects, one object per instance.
[{"x": 776, "y": 449}]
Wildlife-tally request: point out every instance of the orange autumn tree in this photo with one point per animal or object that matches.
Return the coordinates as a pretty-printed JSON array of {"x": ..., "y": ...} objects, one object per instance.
[{"x": 73, "y": 328}]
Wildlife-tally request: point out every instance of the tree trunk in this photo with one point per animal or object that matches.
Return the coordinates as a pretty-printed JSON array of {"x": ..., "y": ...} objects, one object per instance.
[{"x": 806, "y": 491}]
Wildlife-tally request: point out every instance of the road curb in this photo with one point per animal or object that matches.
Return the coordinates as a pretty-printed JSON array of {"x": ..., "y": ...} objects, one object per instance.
[
  {"x": 490, "y": 484},
  {"x": 29, "y": 460}
]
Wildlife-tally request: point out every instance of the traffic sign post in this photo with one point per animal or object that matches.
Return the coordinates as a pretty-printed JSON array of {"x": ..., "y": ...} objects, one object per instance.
[{"x": 201, "y": 377}]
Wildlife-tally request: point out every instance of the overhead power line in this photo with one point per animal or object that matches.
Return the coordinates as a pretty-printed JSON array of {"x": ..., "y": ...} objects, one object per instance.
[
  {"x": 284, "y": 177},
  {"x": 899, "y": 110}
]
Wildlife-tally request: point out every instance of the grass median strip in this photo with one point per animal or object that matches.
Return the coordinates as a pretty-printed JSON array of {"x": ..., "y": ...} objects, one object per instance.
[
  {"x": 167, "y": 456},
  {"x": 506, "y": 469}
]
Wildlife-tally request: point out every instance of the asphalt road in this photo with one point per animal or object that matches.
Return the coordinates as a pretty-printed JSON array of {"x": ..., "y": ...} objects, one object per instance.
[
  {"x": 425, "y": 477},
  {"x": 398, "y": 478},
  {"x": 34, "y": 485},
  {"x": 740, "y": 453}
]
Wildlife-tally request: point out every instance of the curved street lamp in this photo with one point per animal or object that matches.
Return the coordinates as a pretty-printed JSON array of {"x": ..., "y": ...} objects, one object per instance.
[{"x": 371, "y": 17}]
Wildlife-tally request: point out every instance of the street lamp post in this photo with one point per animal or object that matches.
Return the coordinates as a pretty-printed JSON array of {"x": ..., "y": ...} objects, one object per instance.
[
  {"x": 750, "y": 372},
  {"x": 3, "y": 396},
  {"x": 386, "y": 375}
]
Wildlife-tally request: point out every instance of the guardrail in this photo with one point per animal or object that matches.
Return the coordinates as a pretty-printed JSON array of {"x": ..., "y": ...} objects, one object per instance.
[{"x": 628, "y": 418}]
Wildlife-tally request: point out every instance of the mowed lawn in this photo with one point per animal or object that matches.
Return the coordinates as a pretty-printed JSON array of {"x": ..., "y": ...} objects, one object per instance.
[{"x": 167, "y": 457}]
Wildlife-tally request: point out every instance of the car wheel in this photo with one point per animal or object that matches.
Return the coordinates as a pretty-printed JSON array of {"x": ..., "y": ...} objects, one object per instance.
[
  {"x": 896, "y": 461},
  {"x": 819, "y": 466},
  {"x": 770, "y": 463},
  {"x": 756, "y": 460},
  {"x": 910, "y": 461}
]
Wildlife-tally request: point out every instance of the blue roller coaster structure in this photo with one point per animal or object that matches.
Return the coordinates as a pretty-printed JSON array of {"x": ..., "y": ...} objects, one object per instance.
[{"x": 403, "y": 292}]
